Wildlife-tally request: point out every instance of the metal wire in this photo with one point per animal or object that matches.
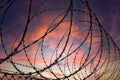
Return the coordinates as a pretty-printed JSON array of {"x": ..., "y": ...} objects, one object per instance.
[{"x": 87, "y": 52}]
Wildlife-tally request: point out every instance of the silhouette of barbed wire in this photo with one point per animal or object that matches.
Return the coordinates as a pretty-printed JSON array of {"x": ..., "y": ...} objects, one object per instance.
[{"x": 91, "y": 54}]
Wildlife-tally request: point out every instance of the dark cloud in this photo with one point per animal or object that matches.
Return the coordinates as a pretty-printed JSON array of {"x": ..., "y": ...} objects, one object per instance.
[{"x": 108, "y": 13}]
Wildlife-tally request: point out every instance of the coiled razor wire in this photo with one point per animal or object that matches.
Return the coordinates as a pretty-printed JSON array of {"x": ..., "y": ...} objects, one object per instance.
[{"x": 81, "y": 49}]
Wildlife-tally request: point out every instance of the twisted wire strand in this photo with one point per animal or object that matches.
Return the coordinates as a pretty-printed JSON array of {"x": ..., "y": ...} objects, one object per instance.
[{"x": 81, "y": 58}]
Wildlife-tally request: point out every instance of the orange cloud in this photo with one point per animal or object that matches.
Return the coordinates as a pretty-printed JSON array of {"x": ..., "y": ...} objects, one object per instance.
[
  {"x": 37, "y": 33},
  {"x": 39, "y": 60}
]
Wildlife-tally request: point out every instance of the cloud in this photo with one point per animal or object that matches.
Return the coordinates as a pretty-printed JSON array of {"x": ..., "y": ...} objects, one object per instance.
[{"x": 38, "y": 27}]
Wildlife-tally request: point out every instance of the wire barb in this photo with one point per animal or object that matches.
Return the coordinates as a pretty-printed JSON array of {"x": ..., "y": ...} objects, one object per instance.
[{"x": 76, "y": 53}]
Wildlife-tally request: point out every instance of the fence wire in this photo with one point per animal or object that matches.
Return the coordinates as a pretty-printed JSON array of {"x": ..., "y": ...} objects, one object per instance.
[{"x": 73, "y": 46}]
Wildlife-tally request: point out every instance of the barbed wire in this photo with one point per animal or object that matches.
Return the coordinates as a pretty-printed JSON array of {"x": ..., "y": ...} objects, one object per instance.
[{"x": 79, "y": 53}]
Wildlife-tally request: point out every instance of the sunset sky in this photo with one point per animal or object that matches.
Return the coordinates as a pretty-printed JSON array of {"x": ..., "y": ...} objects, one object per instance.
[{"x": 48, "y": 15}]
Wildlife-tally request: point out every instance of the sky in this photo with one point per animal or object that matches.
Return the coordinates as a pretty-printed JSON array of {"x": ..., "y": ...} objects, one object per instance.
[
  {"x": 108, "y": 13},
  {"x": 47, "y": 14}
]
